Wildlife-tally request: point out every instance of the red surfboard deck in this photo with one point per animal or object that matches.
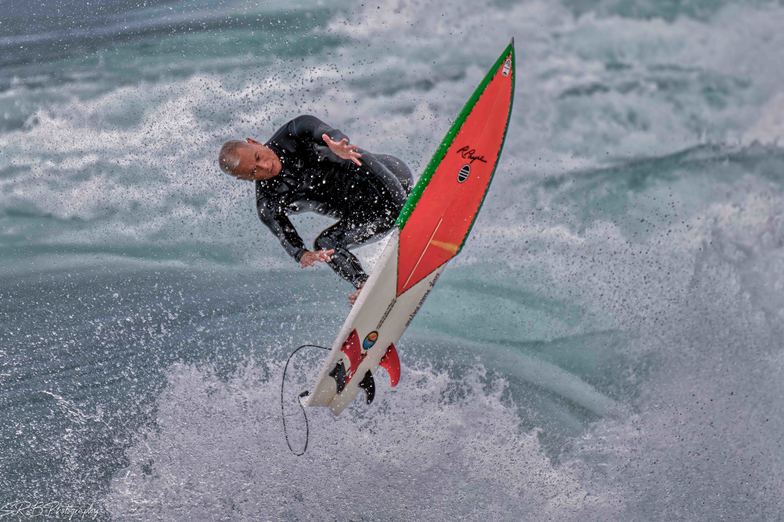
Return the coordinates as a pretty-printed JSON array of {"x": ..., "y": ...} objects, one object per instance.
[{"x": 437, "y": 226}]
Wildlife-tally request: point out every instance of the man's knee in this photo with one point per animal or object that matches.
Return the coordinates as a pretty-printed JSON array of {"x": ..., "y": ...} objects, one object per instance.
[{"x": 399, "y": 169}]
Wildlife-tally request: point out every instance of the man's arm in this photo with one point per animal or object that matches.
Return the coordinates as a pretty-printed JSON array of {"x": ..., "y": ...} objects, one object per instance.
[
  {"x": 330, "y": 143},
  {"x": 280, "y": 225},
  {"x": 307, "y": 127}
]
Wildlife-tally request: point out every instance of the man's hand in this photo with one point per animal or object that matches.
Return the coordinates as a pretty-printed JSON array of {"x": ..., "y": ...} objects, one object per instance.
[
  {"x": 310, "y": 258},
  {"x": 342, "y": 149}
]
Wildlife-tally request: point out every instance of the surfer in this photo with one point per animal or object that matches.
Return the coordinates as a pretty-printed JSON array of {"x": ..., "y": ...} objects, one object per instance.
[{"x": 307, "y": 166}]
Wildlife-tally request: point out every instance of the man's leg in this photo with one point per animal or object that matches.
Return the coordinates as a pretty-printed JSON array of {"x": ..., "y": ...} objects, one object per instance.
[
  {"x": 362, "y": 227},
  {"x": 399, "y": 169},
  {"x": 347, "y": 233}
]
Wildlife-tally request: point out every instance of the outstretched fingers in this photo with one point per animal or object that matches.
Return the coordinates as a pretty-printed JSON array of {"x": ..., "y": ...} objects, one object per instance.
[{"x": 343, "y": 149}]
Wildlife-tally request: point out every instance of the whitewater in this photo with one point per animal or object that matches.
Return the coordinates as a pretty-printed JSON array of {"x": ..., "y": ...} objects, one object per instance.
[{"x": 608, "y": 345}]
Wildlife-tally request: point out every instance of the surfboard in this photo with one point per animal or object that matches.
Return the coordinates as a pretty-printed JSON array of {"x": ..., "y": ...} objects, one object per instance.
[{"x": 430, "y": 230}]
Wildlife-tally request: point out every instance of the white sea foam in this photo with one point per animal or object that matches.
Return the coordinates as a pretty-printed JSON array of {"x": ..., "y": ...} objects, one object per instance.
[{"x": 427, "y": 457}]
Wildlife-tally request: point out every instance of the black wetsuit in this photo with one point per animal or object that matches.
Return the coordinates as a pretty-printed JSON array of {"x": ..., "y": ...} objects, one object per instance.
[{"x": 365, "y": 199}]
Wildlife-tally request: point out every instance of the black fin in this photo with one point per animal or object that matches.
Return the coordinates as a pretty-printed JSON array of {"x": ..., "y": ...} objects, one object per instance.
[
  {"x": 369, "y": 385},
  {"x": 339, "y": 374}
]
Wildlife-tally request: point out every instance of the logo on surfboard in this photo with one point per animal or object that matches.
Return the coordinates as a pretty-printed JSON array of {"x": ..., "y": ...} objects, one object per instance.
[
  {"x": 370, "y": 340},
  {"x": 466, "y": 152},
  {"x": 462, "y": 175}
]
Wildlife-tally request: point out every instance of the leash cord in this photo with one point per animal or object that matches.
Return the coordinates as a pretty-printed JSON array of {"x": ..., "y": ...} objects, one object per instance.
[{"x": 299, "y": 401}]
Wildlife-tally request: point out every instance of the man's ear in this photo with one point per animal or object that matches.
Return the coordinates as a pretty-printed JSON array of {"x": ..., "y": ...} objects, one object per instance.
[{"x": 251, "y": 140}]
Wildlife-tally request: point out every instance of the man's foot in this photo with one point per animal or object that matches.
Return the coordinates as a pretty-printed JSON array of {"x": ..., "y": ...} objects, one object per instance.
[{"x": 352, "y": 297}]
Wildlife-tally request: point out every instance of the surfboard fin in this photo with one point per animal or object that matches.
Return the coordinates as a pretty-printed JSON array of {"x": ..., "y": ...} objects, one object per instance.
[
  {"x": 352, "y": 350},
  {"x": 391, "y": 363},
  {"x": 369, "y": 385},
  {"x": 339, "y": 374},
  {"x": 355, "y": 356}
]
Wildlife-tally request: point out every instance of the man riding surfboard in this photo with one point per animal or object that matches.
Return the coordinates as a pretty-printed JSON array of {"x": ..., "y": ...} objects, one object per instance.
[{"x": 309, "y": 166}]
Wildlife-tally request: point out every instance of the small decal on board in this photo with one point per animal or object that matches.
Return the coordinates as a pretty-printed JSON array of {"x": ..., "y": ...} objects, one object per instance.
[
  {"x": 386, "y": 313},
  {"x": 422, "y": 300},
  {"x": 462, "y": 175},
  {"x": 370, "y": 340}
]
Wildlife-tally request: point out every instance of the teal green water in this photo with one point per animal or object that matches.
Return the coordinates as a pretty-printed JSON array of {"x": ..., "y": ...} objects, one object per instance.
[{"x": 606, "y": 347}]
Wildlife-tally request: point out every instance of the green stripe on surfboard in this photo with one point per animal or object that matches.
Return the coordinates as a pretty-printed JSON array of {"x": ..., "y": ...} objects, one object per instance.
[
  {"x": 424, "y": 179},
  {"x": 500, "y": 149}
]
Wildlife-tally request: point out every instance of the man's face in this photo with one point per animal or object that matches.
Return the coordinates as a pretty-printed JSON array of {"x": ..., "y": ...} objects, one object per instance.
[{"x": 257, "y": 162}]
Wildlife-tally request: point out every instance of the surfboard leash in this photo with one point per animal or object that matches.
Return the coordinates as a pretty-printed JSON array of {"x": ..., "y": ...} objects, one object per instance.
[{"x": 299, "y": 401}]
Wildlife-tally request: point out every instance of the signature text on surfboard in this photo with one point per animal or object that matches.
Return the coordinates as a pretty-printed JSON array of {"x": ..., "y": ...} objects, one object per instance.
[{"x": 468, "y": 153}]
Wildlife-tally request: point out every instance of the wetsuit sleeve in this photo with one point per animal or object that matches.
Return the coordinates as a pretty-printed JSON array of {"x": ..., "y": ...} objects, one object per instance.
[
  {"x": 310, "y": 128},
  {"x": 281, "y": 226}
]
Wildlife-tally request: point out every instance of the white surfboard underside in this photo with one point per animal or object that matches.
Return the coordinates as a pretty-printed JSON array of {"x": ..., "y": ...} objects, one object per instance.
[{"x": 378, "y": 310}]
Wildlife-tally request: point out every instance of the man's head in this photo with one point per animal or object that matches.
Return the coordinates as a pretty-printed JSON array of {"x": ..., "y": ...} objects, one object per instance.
[{"x": 249, "y": 160}]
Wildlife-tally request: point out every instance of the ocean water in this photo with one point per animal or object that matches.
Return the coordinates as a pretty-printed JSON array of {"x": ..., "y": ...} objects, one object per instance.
[{"x": 608, "y": 346}]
